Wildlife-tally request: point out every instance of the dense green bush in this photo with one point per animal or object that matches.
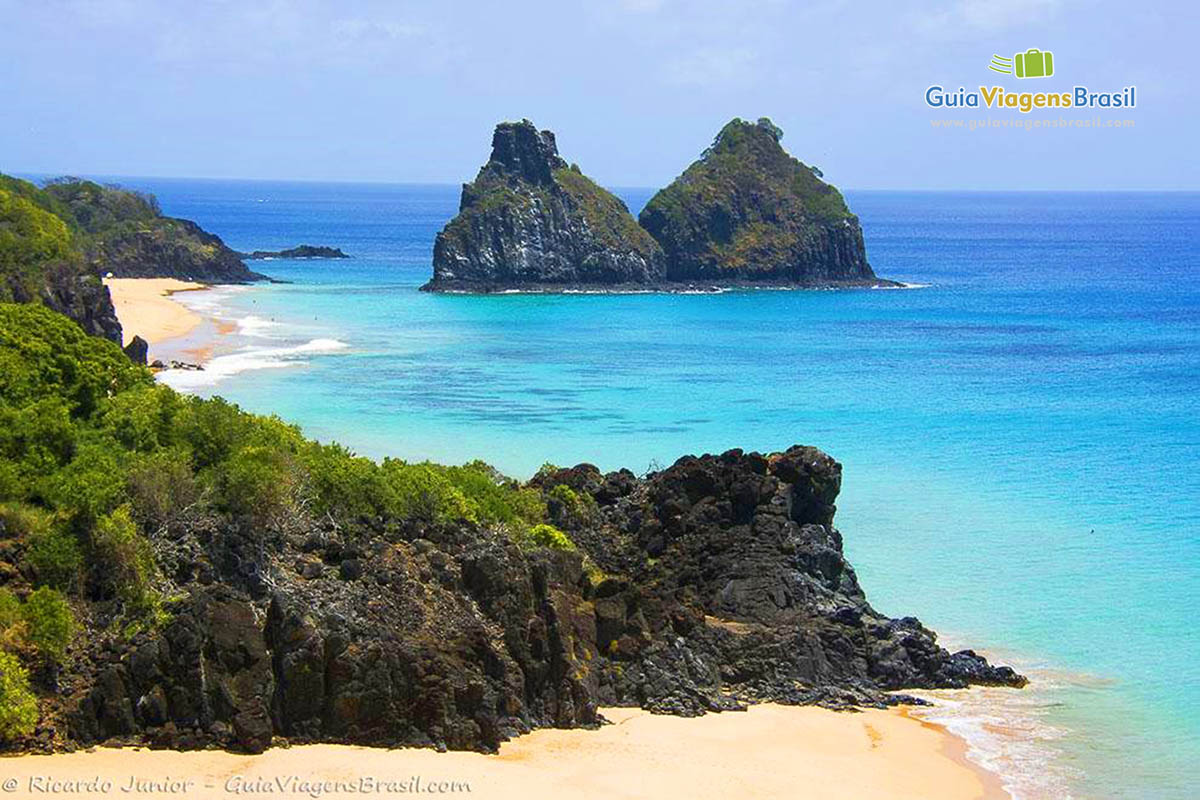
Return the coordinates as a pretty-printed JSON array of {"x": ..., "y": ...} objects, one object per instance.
[
  {"x": 160, "y": 485},
  {"x": 55, "y": 556},
  {"x": 18, "y": 706},
  {"x": 50, "y": 621},
  {"x": 124, "y": 560},
  {"x": 422, "y": 491},
  {"x": 259, "y": 482}
]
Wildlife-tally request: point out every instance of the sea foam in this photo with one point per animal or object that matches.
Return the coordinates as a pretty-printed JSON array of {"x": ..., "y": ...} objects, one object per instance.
[{"x": 247, "y": 359}]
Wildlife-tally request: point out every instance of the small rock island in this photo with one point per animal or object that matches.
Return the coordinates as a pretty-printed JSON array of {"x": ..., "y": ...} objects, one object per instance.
[
  {"x": 531, "y": 221},
  {"x": 302, "y": 251},
  {"x": 746, "y": 214}
]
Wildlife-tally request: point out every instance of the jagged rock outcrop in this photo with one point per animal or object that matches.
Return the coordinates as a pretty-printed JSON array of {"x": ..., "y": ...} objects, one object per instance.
[
  {"x": 138, "y": 350},
  {"x": 747, "y": 213},
  {"x": 715, "y": 582},
  {"x": 531, "y": 221},
  {"x": 84, "y": 299}
]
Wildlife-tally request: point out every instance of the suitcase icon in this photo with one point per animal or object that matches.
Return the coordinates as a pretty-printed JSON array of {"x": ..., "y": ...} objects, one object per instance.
[{"x": 1034, "y": 63}]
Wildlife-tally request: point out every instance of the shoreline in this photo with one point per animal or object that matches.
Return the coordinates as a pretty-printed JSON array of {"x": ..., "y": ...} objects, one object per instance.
[
  {"x": 767, "y": 751},
  {"x": 145, "y": 308},
  {"x": 462, "y": 288}
]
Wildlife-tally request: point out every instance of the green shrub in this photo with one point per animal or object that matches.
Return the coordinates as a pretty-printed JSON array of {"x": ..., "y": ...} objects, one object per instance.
[
  {"x": 38, "y": 438},
  {"x": 44, "y": 354},
  {"x": 346, "y": 485},
  {"x": 19, "y": 520},
  {"x": 51, "y": 622},
  {"x": 18, "y": 706},
  {"x": 492, "y": 497},
  {"x": 577, "y": 507},
  {"x": 143, "y": 418},
  {"x": 55, "y": 557},
  {"x": 258, "y": 481},
  {"x": 50, "y": 549},
  {"x": 544, "y": 535},
  {"x": 159, "y": 485},
  {"x": 422, "y": 491},
  {"x": 125, "y": 561},
  {"x": 92, "y": 485}
]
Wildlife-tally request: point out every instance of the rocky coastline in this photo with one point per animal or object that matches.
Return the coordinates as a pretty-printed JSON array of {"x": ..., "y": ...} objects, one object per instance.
[{"x": 712, "y": 584}]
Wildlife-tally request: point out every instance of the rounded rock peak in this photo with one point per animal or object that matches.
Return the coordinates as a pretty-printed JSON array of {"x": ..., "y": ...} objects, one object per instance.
[{"x": 520, "y": 149}]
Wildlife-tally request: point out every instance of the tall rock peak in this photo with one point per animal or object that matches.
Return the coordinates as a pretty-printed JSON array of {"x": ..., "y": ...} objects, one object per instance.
[
  {"x": 521, "y": 150},
  {"x": 530, "y": 221}
]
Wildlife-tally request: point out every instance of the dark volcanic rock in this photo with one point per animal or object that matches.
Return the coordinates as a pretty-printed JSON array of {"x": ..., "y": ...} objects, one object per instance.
[
  {"x": 747, "y": 213},
  {"x": 303, "y": 251},
  {"x": 84, "y": 299},
  {"x": 138, "y": 350},
  {"x": 531, "y": 221},
  {"x": 62, "y": 288},
  {"x": 716, "y": 582}
]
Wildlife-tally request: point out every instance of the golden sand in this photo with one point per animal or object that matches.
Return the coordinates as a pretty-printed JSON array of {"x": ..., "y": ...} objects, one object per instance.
[
  {"x": 145, "y": 307},
  {"x": 769, "y": 751}
]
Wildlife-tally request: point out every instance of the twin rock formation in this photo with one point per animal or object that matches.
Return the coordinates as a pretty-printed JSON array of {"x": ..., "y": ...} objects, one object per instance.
[{"x": 745, "y": 214}]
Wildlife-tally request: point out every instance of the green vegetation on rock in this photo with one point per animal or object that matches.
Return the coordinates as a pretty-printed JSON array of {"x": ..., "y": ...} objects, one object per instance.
[
  {"x": 95, "y": 457},
  {"x": 748, "y": 211},
  {"x": 18, "y": 705},
  {"x": 51, "y": 622}
]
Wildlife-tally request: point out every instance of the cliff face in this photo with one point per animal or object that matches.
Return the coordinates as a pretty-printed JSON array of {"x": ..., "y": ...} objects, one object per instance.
[
  {"x": 748, "y": 213},
  {"x": 529, "y": 220},
  {"x": 716, "y": 582}
]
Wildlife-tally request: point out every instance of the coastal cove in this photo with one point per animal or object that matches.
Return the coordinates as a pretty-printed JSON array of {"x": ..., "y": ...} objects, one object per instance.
[{"x": 988, "y": 487}]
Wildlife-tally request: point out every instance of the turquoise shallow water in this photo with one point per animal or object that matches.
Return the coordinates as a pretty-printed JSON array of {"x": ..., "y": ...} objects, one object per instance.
[{"x": 1020, "y": 438}]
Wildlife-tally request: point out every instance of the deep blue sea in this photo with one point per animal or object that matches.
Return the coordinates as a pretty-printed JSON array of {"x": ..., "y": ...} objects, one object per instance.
[{"x": 1021, "y": 436}]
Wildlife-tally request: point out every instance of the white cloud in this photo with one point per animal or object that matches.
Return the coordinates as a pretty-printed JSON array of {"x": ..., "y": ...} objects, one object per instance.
[{"x": 971, "y": 17}]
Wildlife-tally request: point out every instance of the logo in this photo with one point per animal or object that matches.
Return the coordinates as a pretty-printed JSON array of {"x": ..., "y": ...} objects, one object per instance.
[{"x": 1033, "y": 63}]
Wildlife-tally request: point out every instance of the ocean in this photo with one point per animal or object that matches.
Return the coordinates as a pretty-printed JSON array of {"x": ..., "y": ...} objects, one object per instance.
[{"x": 1020, "y": 435}]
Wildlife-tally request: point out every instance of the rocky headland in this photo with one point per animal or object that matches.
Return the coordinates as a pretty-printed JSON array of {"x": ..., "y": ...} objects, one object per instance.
[
  {"x": 58, "y": 241},
  {"x": 301, "y": 251},
  {"x": 717, "y": 582},
  {"x": 745, "y": 215}
]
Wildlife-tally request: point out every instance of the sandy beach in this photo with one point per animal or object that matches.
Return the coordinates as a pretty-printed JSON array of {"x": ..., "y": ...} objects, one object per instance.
[
  {"x": 146, "y": 308},
  {"x": 768, "y": 752}
]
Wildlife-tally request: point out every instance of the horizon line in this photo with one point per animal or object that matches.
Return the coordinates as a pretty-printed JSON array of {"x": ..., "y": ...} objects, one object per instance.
[{"x": 36, "y": 175}]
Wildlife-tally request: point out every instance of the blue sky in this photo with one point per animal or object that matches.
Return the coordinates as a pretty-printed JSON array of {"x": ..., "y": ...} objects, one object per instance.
[{"x": 408, "y": 90}]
